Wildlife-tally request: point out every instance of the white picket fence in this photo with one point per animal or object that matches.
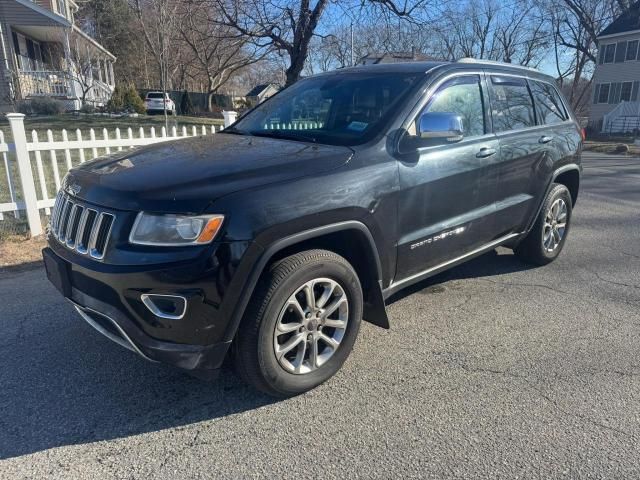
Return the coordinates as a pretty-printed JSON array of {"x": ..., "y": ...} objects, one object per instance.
[{"x": 25, "y": 153}]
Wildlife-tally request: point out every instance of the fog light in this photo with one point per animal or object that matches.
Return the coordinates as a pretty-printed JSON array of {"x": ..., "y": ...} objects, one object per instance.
[{"x": 171, "y": 307}]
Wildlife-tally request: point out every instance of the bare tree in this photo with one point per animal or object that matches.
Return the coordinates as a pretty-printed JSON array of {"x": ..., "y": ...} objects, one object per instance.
[
  {"x": 486, "y": 29},
  {"x": 522, "y": 34},
  {"x": 157, "y": 20},
  {"x": 290, "y": 25},
  {"x": 83, "y": 63},
  {"x": 217, "y": 50},
  {"x": 576, "y": 25}
]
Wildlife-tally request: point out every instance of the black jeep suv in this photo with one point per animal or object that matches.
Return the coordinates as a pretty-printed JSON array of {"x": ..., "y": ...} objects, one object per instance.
[{"x": 271, "y": 240}]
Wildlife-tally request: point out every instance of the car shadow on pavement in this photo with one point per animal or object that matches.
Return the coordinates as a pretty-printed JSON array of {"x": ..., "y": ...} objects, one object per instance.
[
  {"x": 495, "y": 262},
  {"x": 71, "y": 386},
  {"x": 63, "y": 384}
]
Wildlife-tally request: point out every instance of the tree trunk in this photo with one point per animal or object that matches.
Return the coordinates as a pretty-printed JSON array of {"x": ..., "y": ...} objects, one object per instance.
[
  {"x": 210, "y": 93},
  {"x": 299, "y": 51},
  {"x": 292, "y": 73}
]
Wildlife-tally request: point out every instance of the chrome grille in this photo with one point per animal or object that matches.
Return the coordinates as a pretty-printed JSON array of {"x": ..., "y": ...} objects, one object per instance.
[{"x": 80, "y": 227}]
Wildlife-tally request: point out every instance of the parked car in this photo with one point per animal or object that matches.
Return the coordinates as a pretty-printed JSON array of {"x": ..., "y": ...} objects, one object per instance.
[
  {"x": 272, "y": 240},
  {"x": 154, "y": 104}
]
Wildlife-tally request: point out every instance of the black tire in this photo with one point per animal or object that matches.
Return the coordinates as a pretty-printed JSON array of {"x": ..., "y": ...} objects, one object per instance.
[
  {"x": 532, "y": 249},
  {"x": 253, "y": 350}
]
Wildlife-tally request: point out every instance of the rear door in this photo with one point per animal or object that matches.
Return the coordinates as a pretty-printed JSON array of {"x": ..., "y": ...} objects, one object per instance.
[
  {"x": 446, "y": 189},
  {"x": 560, "y": 134},
  {"x": 524, "y": 161}
]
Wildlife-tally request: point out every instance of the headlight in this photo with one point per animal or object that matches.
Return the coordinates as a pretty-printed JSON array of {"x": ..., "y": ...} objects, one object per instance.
[{"x": 174, "y": 230}]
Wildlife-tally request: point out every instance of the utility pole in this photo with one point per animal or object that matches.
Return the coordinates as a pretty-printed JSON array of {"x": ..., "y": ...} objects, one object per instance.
[{"x": 352, "y": 60}]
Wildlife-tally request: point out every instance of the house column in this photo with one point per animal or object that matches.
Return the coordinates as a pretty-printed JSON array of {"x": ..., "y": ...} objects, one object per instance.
[
  {"x": 8, "y": 88},
  {"x": 71, "y": 90},
  {"x": 5, "y": 75},
  {"x": 111, "y": 76},
  {"x": 100, "y": 77}
]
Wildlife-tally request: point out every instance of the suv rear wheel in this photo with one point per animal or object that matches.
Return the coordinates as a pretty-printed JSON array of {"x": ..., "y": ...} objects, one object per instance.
[
  {"x": 546, "y": 239},
  {"x": 301, "y": 324}
]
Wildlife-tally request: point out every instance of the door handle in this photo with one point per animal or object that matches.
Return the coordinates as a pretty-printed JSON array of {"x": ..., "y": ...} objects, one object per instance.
[
  {"x": 545, "y": 139},
  {"x": 486, "y": 152}
]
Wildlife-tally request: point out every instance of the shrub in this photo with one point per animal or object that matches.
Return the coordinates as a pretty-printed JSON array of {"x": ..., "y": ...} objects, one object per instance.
[
  {"x": 41, "y": 106},
  {"x": 622, "y": 148},
  {"x": 88, "y": 108},
  {"x": 186, "y": 105},
  {"x": 125, "y": 99},
  {"x": 116, "y": 102},
  {"x": 132, "y": 100}
]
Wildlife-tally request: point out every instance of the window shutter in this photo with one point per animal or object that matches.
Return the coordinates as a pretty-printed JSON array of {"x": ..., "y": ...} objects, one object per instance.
[
  {"x": 621, "y": 52},
  {"x": 601, "y": 56},
  {"x": 596, "y": 93},
  {"x": 634, "y": 91}
]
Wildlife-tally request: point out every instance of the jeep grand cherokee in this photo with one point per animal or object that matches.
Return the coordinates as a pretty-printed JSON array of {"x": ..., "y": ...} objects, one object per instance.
[{"x": 271, "y": 240}]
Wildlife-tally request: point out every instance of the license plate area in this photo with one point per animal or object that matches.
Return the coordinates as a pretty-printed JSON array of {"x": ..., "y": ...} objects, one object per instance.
[{"x": 57, "y": 272}]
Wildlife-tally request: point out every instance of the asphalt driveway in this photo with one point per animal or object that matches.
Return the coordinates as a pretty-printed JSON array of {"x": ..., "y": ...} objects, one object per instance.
[{"x": 493, "y": 370}]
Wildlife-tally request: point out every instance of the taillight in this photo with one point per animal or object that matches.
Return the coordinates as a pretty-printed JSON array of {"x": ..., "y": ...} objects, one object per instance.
[{"x": 583, "y": 134}]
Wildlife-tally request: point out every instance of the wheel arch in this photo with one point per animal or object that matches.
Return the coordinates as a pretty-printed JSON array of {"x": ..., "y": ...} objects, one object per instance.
[
  {"x": 351, "y": 240},
  {"x": 568, "y": 173},
  {"x": 570, "y": 178}
]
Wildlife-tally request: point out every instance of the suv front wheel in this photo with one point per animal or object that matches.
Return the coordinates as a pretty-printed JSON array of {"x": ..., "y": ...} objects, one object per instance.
[
  {"x": 546, "y": 239},
  {"x": 301, "y": 324}
]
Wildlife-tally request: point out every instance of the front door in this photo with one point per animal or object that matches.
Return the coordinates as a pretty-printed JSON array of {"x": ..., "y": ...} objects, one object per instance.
[{"x": 446, "y": 189}]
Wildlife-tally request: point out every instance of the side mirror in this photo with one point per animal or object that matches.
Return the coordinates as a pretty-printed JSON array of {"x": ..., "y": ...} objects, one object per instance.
[{"x": 445, "y": 126}]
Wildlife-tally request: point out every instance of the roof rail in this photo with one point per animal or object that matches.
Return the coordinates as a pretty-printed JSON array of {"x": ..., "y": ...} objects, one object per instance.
[{"x": 493, "y": 62}]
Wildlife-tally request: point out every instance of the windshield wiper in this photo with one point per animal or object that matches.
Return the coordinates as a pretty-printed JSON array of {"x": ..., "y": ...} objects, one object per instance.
[
  {"x": 235, "y": 131},
  {"x": 284, "y": 134}
]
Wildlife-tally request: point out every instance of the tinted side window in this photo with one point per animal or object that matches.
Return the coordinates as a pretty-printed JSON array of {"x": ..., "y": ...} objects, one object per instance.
[
  {"x": 548, "y": 104},
  {"x": 462, "y": 96},
  {"x": 511, "y": 104}
]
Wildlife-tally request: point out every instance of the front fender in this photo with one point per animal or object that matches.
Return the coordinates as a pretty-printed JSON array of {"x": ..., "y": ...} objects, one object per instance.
[{"x": 374, "y": 308}]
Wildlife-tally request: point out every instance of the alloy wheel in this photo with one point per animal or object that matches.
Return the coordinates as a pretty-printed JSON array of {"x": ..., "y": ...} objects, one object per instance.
[
  {"x": 555, "y": 225},
  {"x": 311, "y": 326}
]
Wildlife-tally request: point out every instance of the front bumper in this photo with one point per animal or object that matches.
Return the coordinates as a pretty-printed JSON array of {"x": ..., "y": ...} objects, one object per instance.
[
  {"x": 108, "y": 298},
  {"x": 201, "y": 361}
]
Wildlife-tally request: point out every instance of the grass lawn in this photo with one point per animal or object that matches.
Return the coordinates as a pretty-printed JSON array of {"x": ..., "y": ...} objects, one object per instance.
[
  {"x": 71, "y": 122},
  {"x": 612, "y": 147},
  {"x": 20, "y": 252}
]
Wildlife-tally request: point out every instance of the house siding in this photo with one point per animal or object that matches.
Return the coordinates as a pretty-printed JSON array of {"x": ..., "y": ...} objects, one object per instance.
[
  {"x": 616, "y": 72},
  {"x": 15, "y": 13},
  {"x": 48, "y": 4},
  {"x": 6, "y": 60}
]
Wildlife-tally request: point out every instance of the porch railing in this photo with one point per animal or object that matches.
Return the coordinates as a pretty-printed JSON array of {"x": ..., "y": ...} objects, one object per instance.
[
  {"x": 44, "y": 83},
  {"x": 32, "y": 166},
  {"x": 100, "y": 92}
]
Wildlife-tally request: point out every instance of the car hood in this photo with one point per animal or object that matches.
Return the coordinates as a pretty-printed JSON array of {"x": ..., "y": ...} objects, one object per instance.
[{"x": 187, "y": 175}]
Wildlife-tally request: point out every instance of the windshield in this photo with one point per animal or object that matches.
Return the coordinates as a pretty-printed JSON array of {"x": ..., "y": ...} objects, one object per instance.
[{"x": 340, "y": 109}]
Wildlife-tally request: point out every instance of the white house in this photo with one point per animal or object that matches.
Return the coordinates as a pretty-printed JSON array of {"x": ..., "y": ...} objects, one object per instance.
[
  {"x": 260, "y": 93},
  {"x": 616, "y": 105},
  {"x": 44, "y": 54}
]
